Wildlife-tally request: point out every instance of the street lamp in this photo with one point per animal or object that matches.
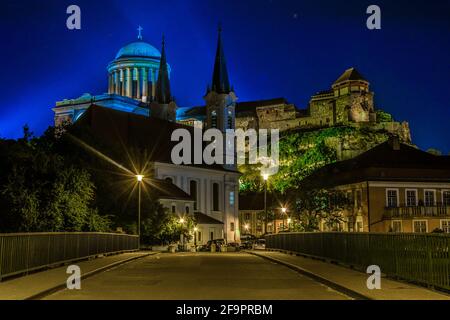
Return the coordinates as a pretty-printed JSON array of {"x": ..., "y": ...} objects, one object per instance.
[
  {"x": 265, "y": 177},
  {"x": 246, "y": 227},
  {"x": 139, "y": 179},
  {"x": 181, "y": 220},
  {"x": 283, "y": 210},
  {"x": 195, "y": 237}
]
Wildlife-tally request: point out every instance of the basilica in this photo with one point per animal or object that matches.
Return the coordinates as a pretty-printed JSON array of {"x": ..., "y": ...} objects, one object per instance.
[{"x": 139, "y": 111}]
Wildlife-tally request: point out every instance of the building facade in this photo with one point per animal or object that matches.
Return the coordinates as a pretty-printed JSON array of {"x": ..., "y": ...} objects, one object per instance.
[
  {"x": 139, "y": 112},
  {"x": 391, "y": 188}
]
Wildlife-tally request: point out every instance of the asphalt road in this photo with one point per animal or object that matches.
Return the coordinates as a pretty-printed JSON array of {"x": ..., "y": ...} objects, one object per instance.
[{"x": 199, "y": 276}]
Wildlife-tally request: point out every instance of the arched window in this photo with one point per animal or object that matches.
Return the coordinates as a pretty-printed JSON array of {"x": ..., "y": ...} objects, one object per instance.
[
  {"x": 193, "y": 191},
  {"x": 214, "y": 119},
  {"x": 187, "y": 209},
  {"x": 169, "y": 179},
  {"x": 215, "y": 197},
  {"x": 230, "y": 120}
]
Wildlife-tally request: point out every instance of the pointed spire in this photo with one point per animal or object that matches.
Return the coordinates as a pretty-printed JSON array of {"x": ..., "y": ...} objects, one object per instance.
[
  {"x": 162, "y": 94},
  {"x": 220, "y": 82}
]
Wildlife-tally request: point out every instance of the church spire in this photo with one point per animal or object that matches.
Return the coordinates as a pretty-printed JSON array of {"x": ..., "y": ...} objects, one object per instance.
[
  {"x": 220, "y": 82},
  {"x": 162, "y": 94}
]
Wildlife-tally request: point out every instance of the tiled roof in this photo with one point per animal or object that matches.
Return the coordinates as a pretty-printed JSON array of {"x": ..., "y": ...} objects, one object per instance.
[
  {"x": 389, "y": 161},
  {"x": 201, "y": 218},
  {"x": 350, "y": 74}
]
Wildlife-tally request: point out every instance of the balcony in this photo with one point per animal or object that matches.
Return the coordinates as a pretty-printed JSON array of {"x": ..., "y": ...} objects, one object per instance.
[{"x": 404, "y": 211}]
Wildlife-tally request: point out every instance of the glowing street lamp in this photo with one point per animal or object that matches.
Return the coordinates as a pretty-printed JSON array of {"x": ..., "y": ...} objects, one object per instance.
[
  {"x": 265, "y": 177},
  {"x": 139, "y": 179},
  {"x": 246, "y": 227},
  {"x": 182, "y": 220}
]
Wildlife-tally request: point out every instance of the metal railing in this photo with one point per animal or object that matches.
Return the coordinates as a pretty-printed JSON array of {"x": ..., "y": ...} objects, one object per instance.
[
  {"x": 417, "y": 211},
  {"x": 422, "y": 258},
  {"x": 25, "y": 252}
]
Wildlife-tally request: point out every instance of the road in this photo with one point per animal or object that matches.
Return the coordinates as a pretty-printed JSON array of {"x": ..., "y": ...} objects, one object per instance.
[{"x": 199, "y": 276}]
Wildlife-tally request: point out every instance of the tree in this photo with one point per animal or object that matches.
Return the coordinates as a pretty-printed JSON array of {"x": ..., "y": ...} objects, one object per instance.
[
  {"x": 316, "y": 205},
  {"x": 40, "y": 191},
  {"x": 435, "y": 152}
]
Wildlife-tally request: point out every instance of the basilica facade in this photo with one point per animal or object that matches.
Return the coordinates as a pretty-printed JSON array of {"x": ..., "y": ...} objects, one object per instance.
[{"x": 139, "y": 111}]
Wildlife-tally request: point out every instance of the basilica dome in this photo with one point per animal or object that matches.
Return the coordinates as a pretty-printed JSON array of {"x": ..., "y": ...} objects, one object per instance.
[{"x": 138, "y": 49}]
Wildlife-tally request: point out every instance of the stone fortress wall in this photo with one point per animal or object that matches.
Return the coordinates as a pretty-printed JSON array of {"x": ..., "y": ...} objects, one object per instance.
[{"x": 348, "y": 103}]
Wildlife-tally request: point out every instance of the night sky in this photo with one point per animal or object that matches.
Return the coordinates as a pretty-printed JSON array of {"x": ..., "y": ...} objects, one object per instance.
[{"x": 274, "y": 48}]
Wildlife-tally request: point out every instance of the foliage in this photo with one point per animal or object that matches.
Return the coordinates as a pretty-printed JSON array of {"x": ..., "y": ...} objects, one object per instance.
[
  {"x": 302, "y": 152},
  {"x": 383, "y": 116},
  {"x": 316, "y": 205},
  {"x": 40, "y": 191},
  {"x": 435, "y": 152}
]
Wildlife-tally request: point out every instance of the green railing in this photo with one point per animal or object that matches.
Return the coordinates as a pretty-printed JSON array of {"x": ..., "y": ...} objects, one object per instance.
[
  {"x": 422, "y": 258},
  {"x": 25, "y": 252}
]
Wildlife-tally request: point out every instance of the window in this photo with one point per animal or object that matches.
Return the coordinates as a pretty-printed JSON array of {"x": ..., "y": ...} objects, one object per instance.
[
  {"x": 215, "y": 197},
  {"x": 247, "y": 216},
  {"x": 193, "y": 191},
  {"x": 446, "y": 198},
  {"x": 232, "y": 226},
  {"x": 396, "y": 226},
  {"x": 420, "y": 226},
  {"x": 214, "y": 119},
  {"x": 211, "y": 235},
  {"x": 174, "y": 208},
  {"x": 411, "y": 198},
  {"x": 187, "y": 209},
  {"x": 391, "y": 198},
  {"x": 199, "y": 236},
  {"x": 232, "y": 198},
  {"x": 168, "y": 179},
  {"x": 445, "y": 226},
  {"x": 358, "y": 199},
  {"x": 230, "y": 120},
  {"x": 429, "y": 198}
]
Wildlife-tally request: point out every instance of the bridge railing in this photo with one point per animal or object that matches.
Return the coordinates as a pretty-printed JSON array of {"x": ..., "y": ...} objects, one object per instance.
[
  {"x": 421, "y": 258},
  {"x": 25, "y": 252}
]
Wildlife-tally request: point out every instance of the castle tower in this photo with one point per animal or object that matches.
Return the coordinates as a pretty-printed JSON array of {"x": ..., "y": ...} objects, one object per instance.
[
  {"x": 353, "y": 99},
  {"x": 163, "y": 106},
  {"x": 220, "y": 97}
]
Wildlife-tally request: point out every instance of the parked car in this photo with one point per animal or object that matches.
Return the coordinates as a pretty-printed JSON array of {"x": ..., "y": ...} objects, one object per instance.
[
  {"x": 247, "y": 241},
  {"x": 260, "y": 244},
  {"x": 218, "y": 242}
]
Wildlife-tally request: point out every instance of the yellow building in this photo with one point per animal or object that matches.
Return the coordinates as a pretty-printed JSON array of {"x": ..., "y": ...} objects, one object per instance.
[{"x": 393, "y": 187}]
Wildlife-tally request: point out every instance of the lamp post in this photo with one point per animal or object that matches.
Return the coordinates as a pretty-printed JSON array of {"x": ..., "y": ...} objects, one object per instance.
[
  {"x": 265, "y": 177},
  {"x": 284, "y": 213},
  {"x": 139, "y": 179},
  {"x": 195, "y": 237}
]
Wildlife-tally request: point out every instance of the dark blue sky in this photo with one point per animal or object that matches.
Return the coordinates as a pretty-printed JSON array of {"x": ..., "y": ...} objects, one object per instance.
[{"x": 274, "y": 48}]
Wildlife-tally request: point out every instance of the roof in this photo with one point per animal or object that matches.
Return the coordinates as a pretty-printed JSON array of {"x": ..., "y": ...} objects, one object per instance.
[
  {"x": 138, "y": 49},
  {"x": 162, "y": 92},
  {"x": 350, "y": 75},
  {"x": 202, "y": 218},
  {"x": 167, "y": 190},
  {"x": 128, "y": 131},
  {"x": 389, "y": 161},
  {"x": 241, "y": 107},
  {"x": 220, "y": 81}
]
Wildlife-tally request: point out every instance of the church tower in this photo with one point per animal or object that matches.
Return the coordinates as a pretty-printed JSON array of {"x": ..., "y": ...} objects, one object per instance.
[
  {"x": 163, "y": 106},
  {"x": 220, "y": 97}
]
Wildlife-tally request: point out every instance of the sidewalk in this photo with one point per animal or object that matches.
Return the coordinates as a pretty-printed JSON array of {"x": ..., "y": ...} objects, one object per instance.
[
  {"x": 28, "y": 286},
  {"x": 353, "y": 281}
]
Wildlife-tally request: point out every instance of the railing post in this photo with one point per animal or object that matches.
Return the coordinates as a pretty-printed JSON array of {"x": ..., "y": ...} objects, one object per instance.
[{"x": 1, "y": 256}]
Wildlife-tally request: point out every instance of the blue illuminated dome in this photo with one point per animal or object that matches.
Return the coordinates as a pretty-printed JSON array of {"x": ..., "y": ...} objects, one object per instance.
[{"x": 138, "y": 49}]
